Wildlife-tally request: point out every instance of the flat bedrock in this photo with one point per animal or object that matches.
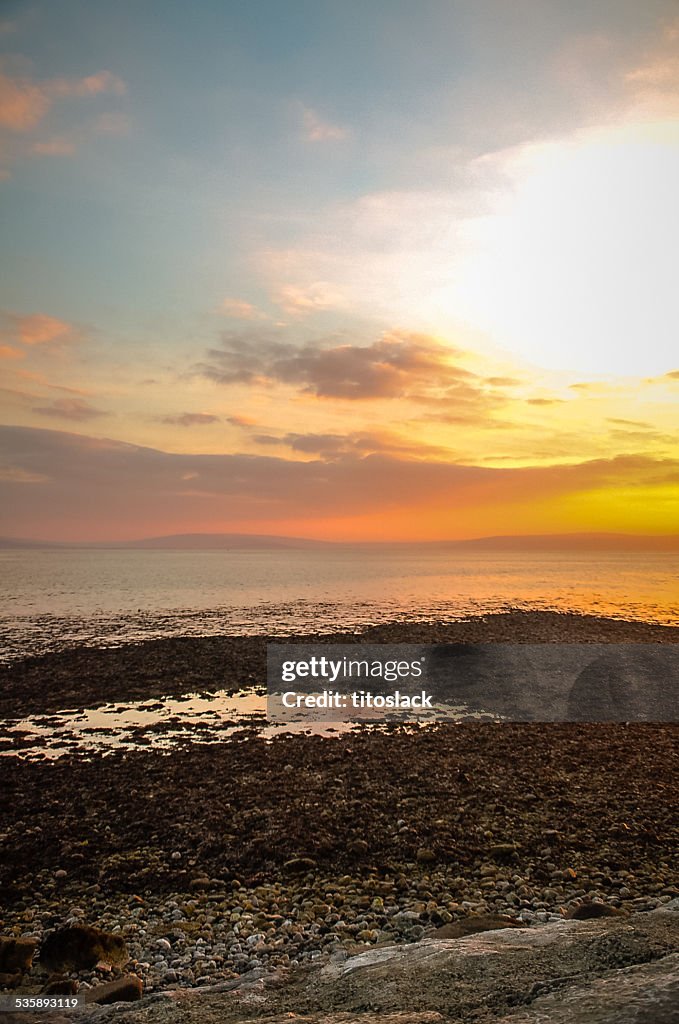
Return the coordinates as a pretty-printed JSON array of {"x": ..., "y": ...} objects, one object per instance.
[{"x": 610, "y": 971}]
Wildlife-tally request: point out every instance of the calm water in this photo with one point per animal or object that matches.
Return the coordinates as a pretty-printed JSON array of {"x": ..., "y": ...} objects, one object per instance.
[{"x": 56, "y": 599}]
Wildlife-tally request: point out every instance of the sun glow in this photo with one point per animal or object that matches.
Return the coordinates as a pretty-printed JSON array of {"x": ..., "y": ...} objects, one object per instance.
[{"x": 575, "y": 267}]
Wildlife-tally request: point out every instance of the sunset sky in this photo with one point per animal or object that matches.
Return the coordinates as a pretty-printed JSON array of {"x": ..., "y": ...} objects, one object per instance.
[{"x": 347, "y": 270}]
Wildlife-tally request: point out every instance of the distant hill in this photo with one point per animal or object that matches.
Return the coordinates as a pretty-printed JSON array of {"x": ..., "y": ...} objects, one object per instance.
[
  {"x": 571, "y": 542},
  {"x": 181, "y": 542},
  {"x": 225, "y": 542},
  {"x": 576, "y": 542}
]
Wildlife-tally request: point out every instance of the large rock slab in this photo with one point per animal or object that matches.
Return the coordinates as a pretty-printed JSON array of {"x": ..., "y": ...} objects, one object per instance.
[
  {"x": 608, "y": 971},
  {"x": 493, "y": 971},
  {"x": 643, "y": 994}
]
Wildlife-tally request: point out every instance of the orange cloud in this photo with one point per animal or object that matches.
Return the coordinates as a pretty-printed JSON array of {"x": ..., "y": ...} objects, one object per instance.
[
  {"x": 112, "y": 488},
  {"x": 40, "y": 329},
  {"x": 24, "y": 102},
  {"x": 7, "y": 352},
  {"x": 654, "y": 83},
  {"x": 70, "y": 409},
  {"x": 238, "y": 420}
]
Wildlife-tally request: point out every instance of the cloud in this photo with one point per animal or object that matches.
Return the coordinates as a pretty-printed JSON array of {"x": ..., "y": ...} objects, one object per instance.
[
  {"x": 25, "y": 101},
  {"x": 665, "y": 378},
  {"x": 75, "y": 409},
  {"x": 334, "y": 446},
  {"x": 38, "y": 329},
  {"x": 190, "y": 419},
  {"x": 642, "y": 425},
  {"x": 25, "y": 105},
  {"x": 241, "y": 310},
  {"x": 654, "y": 82},
  {"x": 241, "y": 421},
  {"x": 316, "y": 129},
  {"x": 397, "y": 365},
  {"x": 113, "y": 122},
  {"x": 14, "y": 475},
  {"x": 53, "y": 147},
  {"x": 7, "y": 352},
  {"x": 109, "y": 488},
  {"x": 314, "y": 298}
]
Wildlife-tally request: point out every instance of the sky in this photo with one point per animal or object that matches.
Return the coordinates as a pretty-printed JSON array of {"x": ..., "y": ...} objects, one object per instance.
[{"x": 351, "y": 271}]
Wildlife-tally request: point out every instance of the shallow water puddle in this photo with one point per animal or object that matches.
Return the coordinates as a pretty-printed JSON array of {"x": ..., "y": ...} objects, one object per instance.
[{"x": 162, "y": 723}]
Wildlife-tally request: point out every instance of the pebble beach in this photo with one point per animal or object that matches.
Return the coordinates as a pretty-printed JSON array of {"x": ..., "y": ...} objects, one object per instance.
[{"x": 213, "y": 859}]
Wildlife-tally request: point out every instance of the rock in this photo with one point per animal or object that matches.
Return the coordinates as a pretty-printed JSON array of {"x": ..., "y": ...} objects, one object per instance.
[
  {"x": 425, "y": 855},
  {"x": 407, "y": 1017},
  {"x": 298, "y": 865},
  {"x": 199, "y": 884},
  {"x": 123, "y": 990},
  {"x": 56, "y": 986},
  {"x": 642, "y": 994},
  {"x": 503, "y": 851},
  {"x": 80, "y": 947},
  {"x": 474, "y": 925},
  {"x": 590, "y": 911},
  {"x": 357, "y": 847},
  {"x": 16, "y": 954},
  {"x": 504, "y": 969},
  {"x": 406, "y": 919},
  {"x": 8, "y": 980}
]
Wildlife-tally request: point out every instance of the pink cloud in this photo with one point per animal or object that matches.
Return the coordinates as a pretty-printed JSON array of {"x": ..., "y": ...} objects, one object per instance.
[
  {"x": 316, "y": 129},
  {"x": 25, "y": 101},
  {"x": 312, "y": 298},
  {"x": 7, "y": 352},
  {"x": 40, "y": 329},
  {"x": 241, "y": 310},
  {"x": 53, "y": 147},
  {"x": 23, "y": 104}
]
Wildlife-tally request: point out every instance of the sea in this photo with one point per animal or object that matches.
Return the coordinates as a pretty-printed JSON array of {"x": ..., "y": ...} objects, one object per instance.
[{"x": 55, "y": 599}]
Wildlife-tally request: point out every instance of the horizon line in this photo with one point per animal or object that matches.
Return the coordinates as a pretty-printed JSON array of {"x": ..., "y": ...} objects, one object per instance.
[{"x": 589, "y": 539}]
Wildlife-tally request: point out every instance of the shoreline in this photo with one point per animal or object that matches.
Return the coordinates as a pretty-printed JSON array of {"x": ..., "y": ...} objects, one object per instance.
[{"x": 90, "y": 676}]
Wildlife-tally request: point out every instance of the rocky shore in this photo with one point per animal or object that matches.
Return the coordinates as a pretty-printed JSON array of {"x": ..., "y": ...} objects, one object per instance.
[
  {"x": 213, "y": 861},
  {"x": 221, "y": 858},
  {"x": 88, "y": 677}
]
